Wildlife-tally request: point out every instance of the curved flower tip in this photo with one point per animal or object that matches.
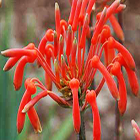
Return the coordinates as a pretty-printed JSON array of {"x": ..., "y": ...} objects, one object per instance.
[
  {"x": 34, "y": 119},
  {"x": 132, "y": 77},
  {"x": 33, "y": 101},
  {"x": 10, "y": 63},
  {"x": 63, "y": 25},
  {"x": 91, "y": 99},
  {"x": 29, "y": 85},
  {"x": 30, "y": 89},
  {"x": 74, "y": 85},
  {"x": 112, "y": 43},
  {"x": 19, "y": 52},
  {"x": 49, "y": 35},
  {"x": 18, "y": 76},
  {"x": 122, "y": 103},
  {"x": 96, "y": 63},
  {"x": 20, "y": 115},
  {"x": 69, "y": 41},
  {"x": 136, "y": 130},
  {"x": 106, "y": 33},
  {"x": 117, "y": 28}
]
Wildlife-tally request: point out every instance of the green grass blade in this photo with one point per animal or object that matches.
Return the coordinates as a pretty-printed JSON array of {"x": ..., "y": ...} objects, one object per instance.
[{"x": 65, "y": 130}]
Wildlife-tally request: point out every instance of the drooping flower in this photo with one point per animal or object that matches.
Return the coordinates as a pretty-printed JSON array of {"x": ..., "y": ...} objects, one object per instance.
[
  {"x": 73, "y": 72},
  {"x": 91, "y": 99}
]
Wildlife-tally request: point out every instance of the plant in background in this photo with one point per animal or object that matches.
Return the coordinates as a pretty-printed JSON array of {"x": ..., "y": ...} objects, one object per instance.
[{"x": 73, "y": 70}]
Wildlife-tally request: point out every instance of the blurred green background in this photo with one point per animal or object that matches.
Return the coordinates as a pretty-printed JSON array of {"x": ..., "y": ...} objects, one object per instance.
[{"x": 22, "y": 22}]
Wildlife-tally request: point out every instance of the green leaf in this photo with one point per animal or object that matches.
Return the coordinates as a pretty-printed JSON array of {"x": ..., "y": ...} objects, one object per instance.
[{"x": 65, "y": 130}]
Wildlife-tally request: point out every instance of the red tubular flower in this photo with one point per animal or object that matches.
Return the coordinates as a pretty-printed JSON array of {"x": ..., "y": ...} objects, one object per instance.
[
  {"x": 20, "y": 115},
  {"x": 91, "y": 99},
  {"x": 133, "y": 80},
  {"x": 69, "y": 41},
  {"x": 10, "y": 63},
  {"x": 33, "y": 117},
  {"x": 56, "y": 44},
  {"x": 90, "y": 5},
  {"x": 73, "y": 52},
  {"x": 82, "y": 12},
  {"x": 61, "y": 47},
  {"x": 74, "y": 85},
  {"x": 96, "y": 63},
  {"x": 117, "y": 28},
  {"x": 18, "y": 76},
  {"x": 116, "y": 70},
  {"x": 106, "y": 33},
  {"x": 17, "y": 52},
  {"x": 57, "y": 70},
  {"x": 63, "y": 26},
  {"x": 30, "y": 89},
  {"x": 131, "y": 75},
  {"x": 112, "y": 8},
  {"x": 98, "y": 28},
  {"x": 84, "y": 32},
  {"x": 76, "y": 16},
  {"x": 47, "y": 37},
  {"x": 70, "y": 63},
  {"x": 109, "y": 52},
  {"x": 120, "y": 8},
  {"x": 42, "y": 45},
  {"x": 49, "y": 53},
  {"x": 32, "y": 114},
  {"x": 33, "y": 101},
  {"x": 136, "y": 130},
  {"x": 57, "y": 19},
  {"x": 58, "y": 99},
  {"x": 63, "y": 66},
  {"x": 72, "y": 13},
  {"x": 112, "y": 43}
]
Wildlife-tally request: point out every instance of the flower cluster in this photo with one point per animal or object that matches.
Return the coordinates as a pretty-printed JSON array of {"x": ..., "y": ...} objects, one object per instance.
[{"x": 73, "y": 70}]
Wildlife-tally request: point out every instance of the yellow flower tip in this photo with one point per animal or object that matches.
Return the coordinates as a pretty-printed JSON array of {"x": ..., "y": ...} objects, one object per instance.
[
  {"x": 104, "y": 11},
  {"x": 4, "y": 69},
  {"x": 39, "y": 130},
  {"x": 118, "y": 98},
  {"x": 124, "y": 6},
  {"x": 24, "y": 110},
  {"x": 122, "y": 38},
  {"x": 61, "y": 38},
  {"x": 0, "y": 3},
  {"x": 132, "y": 122},
  {"x": 2, "y": 52},
  {"x": 56, "y": 6},
  {"x": 119, "y": 1}
]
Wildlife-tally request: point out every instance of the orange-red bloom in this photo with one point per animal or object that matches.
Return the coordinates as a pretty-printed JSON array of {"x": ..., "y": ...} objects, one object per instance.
[
  {"x": 62, "y": 55},
  {"x": 91, "y": 99},
  {"x": 74, "y": 85}
]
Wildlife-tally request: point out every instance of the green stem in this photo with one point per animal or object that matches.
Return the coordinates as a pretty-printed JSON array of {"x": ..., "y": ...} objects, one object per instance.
[
  {"x": 117, "y": 122},
  {"x": 81, "y": 135}
]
